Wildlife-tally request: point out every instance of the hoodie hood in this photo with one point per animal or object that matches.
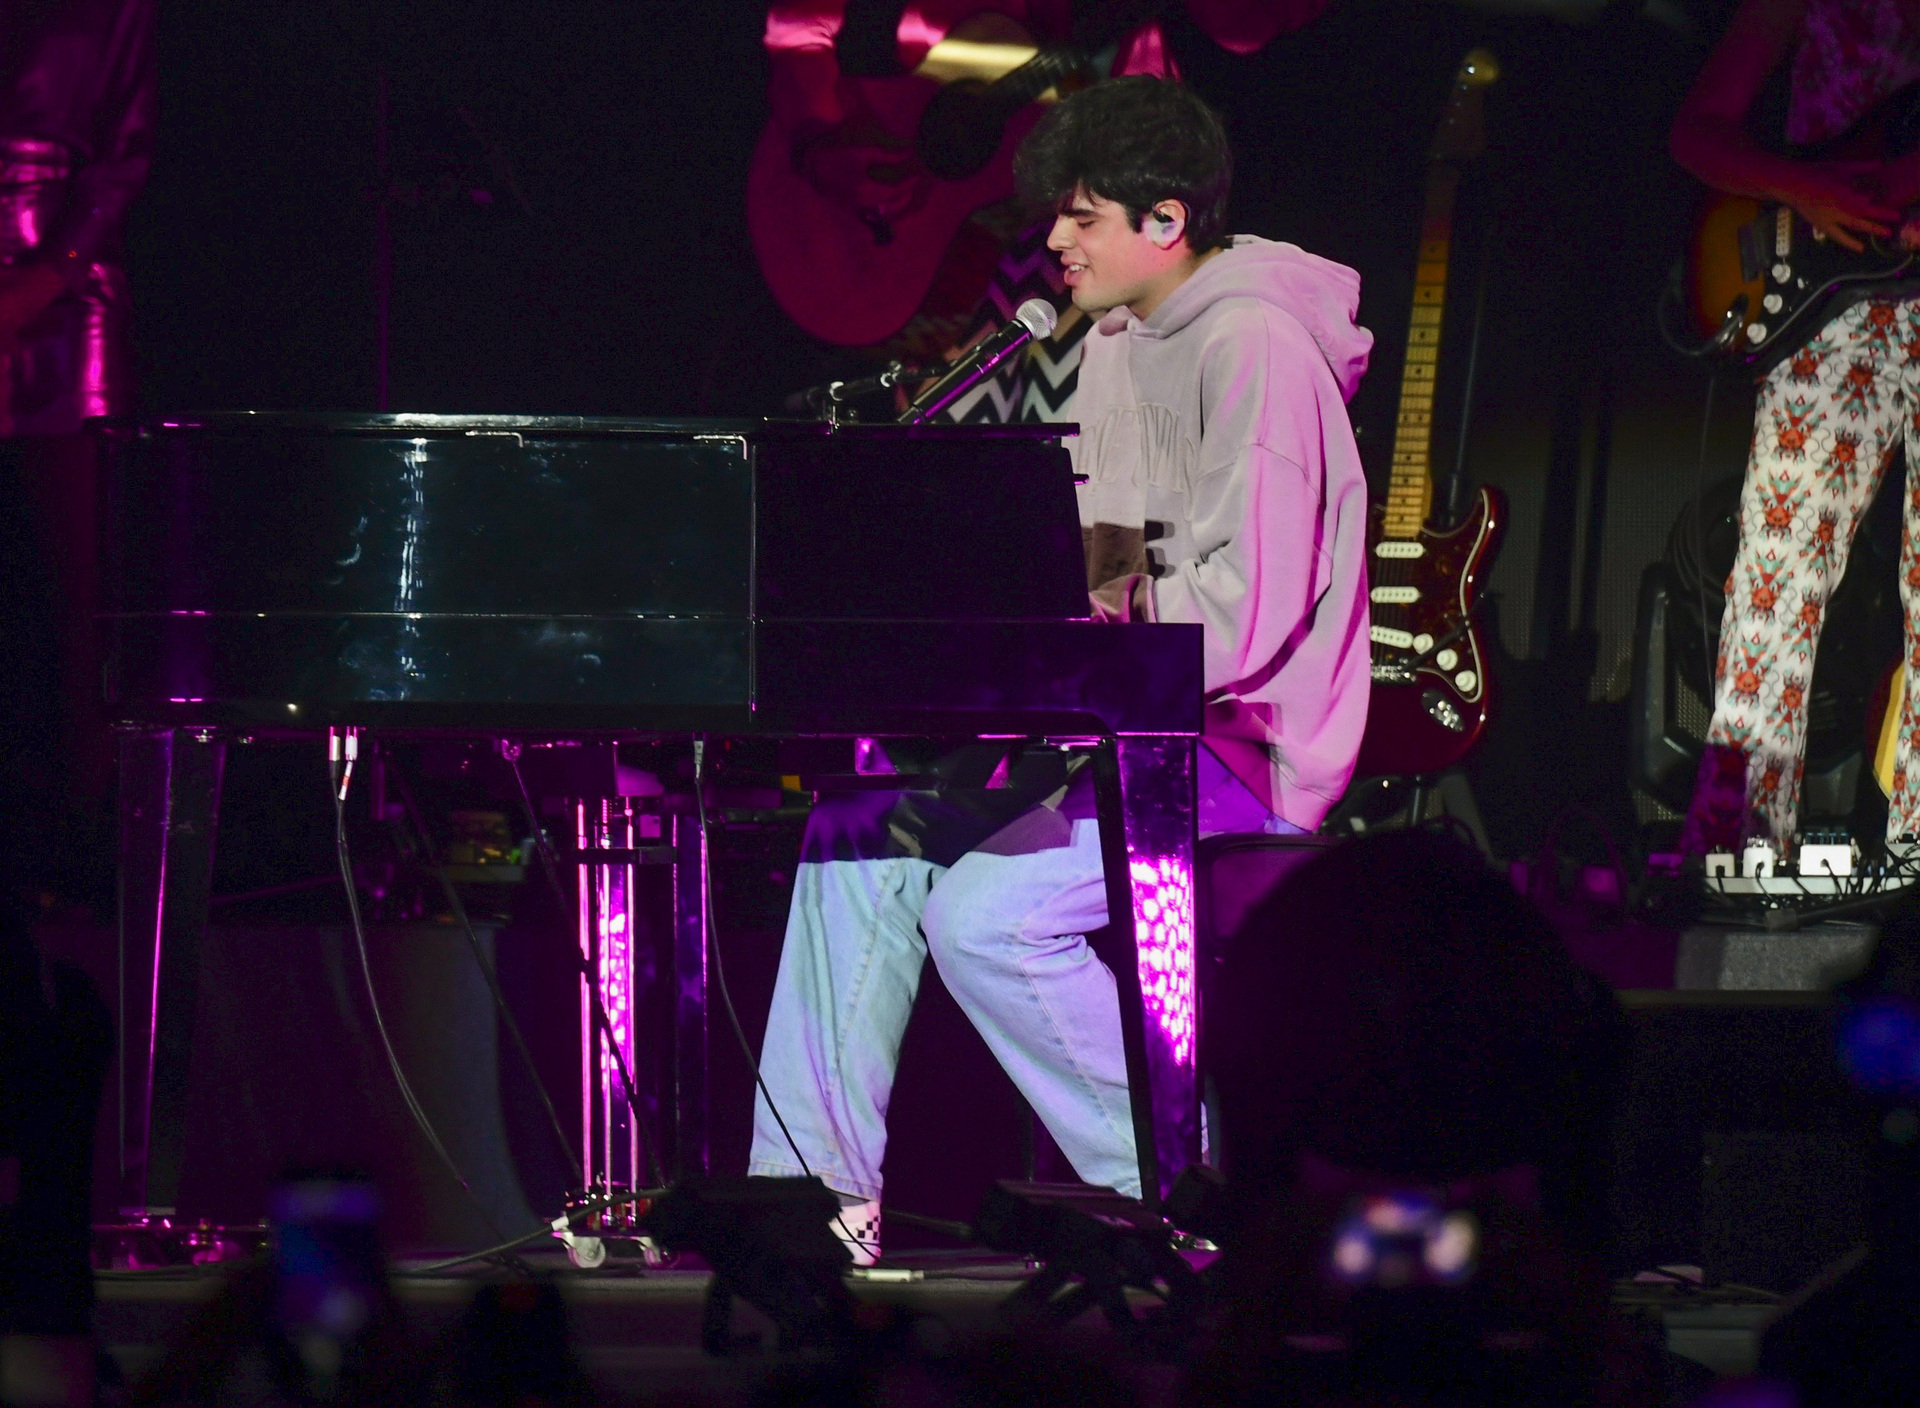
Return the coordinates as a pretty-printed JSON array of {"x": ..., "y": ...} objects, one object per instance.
[{"x": 1324, "y": 297}]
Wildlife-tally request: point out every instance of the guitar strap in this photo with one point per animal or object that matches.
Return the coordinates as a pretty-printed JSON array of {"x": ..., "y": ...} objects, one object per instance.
[{"x": 868, "y": 44}]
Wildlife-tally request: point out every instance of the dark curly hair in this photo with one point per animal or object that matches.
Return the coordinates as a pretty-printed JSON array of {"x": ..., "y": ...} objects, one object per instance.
[{"x": 1135, "y": 140}]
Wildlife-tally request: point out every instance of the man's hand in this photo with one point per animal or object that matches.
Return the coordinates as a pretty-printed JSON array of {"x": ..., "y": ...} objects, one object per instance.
[
  {"x": 1128, "y": 598},
  {"x": 25, "y": 293},
  {"x": 1842, "y": 200}
]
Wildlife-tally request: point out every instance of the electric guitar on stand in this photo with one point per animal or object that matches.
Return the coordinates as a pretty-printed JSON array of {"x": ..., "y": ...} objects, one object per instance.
[{"x": 1431, "y": 691}]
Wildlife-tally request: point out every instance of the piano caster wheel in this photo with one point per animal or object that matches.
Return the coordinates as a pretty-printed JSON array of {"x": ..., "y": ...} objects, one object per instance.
[{"x": 586, "y": 1252}]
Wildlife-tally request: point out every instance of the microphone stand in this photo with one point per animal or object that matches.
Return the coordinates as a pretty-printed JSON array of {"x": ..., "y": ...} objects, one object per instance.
[{"x": 833, "y": 401}]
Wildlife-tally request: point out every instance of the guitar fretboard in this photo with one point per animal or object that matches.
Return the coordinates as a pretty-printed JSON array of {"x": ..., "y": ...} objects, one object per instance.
[{"x": 1410, "y": 486}]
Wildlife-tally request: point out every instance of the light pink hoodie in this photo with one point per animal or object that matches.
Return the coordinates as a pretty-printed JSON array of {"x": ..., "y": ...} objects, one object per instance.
[{"x": 1219, "y": 425}]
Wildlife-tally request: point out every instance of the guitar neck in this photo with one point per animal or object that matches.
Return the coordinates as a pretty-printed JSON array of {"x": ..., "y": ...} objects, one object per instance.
[
  {"x": 1013, "y": 91},
  {"x": 1410, "y": 487}
]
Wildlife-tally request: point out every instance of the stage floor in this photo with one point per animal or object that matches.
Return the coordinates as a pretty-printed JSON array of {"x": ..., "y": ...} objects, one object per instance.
[{"x": 636, "y": 1333}]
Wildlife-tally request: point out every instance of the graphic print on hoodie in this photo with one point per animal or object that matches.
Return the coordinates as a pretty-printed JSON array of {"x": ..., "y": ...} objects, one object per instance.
[{"x": 1220, "y": 461}]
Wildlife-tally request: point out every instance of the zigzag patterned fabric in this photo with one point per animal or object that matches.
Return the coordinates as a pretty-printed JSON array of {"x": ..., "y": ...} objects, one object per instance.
[{"x": 1039, "y": 385}]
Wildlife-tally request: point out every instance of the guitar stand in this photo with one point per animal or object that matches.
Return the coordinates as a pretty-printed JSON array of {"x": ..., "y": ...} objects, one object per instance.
[
  {"x": 1449, "y": 790},
  {"x": 1455, "y": 797}
]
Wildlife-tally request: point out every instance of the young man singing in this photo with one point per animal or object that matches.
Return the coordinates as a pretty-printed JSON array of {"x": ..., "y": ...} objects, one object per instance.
[{"x": 1224, "y": 489}]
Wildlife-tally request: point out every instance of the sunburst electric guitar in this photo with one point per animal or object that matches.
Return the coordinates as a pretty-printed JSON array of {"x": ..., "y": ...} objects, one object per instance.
[
  {"x": 1431, "y": 690},
  {"x": 1760, "y": 280}
]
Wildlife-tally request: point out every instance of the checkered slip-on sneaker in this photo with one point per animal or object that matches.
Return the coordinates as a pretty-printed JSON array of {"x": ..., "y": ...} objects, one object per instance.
[{"x": 858, "y": 1229}]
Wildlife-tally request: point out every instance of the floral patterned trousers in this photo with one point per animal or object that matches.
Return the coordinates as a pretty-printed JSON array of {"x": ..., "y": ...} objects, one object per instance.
[{"x": 1828, "y": 421}]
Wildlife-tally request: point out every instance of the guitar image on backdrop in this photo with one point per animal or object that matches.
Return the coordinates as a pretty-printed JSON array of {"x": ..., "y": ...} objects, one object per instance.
[{"x": 880, "y": 194}]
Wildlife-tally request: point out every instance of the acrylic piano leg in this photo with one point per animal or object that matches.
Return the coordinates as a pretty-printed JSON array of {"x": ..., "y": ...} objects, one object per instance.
[
  {"x": 1144, "y": 788},
  {"x": 169, "y": 811},
  {"x": 613, "y": 942},
  {"x": 662, "y": 1034},
  {"x": 689, "y": 997}
]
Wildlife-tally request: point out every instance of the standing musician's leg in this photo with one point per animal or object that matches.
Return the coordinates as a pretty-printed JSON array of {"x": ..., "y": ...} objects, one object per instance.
[
  {"x": 849, "y": 973},
  {"x": 1823, "y": 429}
]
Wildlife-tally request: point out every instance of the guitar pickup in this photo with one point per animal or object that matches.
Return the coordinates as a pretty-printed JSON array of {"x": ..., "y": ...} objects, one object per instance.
[
  {"x": 1756, "y": 248},
  {"x": 1388, "y": 636},
  {"x": 1395, "y": 596}
]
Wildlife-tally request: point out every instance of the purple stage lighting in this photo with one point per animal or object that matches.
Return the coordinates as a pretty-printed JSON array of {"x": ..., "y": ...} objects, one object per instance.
[
  {"x": 1880, "y": 1046},
  {"x": 608, "y": 916},
  {"x": 1163, "y": 926}
]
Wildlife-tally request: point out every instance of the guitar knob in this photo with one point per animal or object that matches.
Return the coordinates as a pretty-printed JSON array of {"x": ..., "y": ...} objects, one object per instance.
[
  {"x": 1422, "y": 643},
  {"x": 1756, "y": 333},
  {"x": 1447, "y": 659},
  {"x": 1443, "y": 711},
  {"x": 1465, "y": 681},
  {"x": 1781, "y": 273},
  {"x": 1773, "y": 303}
]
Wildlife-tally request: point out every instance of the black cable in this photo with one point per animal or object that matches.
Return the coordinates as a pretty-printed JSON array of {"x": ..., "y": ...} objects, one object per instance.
[
  {"x": 712, "y": 939},
  {"x": 1787, "y": 918},
  {"x": 598, "y": 1014},
  {"x": 1700, "y": 547},
  {"x": 419, "y": 821},
  {"x": 592, "y": 1205},
  {"x": 338, "y": 788},
  {"x": 1673, "y": 293},
  {"x": 538, "y": 833},
  {"x": 946, "y": 1226}
]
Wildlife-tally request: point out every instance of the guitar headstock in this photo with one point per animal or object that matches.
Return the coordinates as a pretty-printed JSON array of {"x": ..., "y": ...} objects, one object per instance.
[{"x": 1462, "y": 134}]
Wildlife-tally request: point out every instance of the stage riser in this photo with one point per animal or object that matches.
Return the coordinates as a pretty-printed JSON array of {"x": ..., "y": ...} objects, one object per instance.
[{"x": 1736, "y": 1147}]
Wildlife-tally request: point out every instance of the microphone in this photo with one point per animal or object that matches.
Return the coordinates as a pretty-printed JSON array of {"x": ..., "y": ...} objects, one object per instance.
[
  {"x": 1034, "y": 318},
  {"x": 831, "y": 401}
]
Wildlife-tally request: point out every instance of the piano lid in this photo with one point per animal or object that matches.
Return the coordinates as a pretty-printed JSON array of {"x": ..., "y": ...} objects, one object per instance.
[
  {"x": 434, "y": 424},
  {"x": 305, "y": 567}
]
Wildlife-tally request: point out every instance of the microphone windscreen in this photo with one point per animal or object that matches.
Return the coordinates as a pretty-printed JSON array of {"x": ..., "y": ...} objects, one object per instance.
[{"x": 1037, "y": 316}]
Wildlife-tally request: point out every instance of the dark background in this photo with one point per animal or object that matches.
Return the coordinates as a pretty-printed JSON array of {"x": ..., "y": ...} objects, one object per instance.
[{"x": 610, "y": 271}]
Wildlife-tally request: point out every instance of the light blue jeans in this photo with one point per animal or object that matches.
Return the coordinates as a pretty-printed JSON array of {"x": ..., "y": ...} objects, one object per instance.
[{"x": 1006, "y": 925}]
